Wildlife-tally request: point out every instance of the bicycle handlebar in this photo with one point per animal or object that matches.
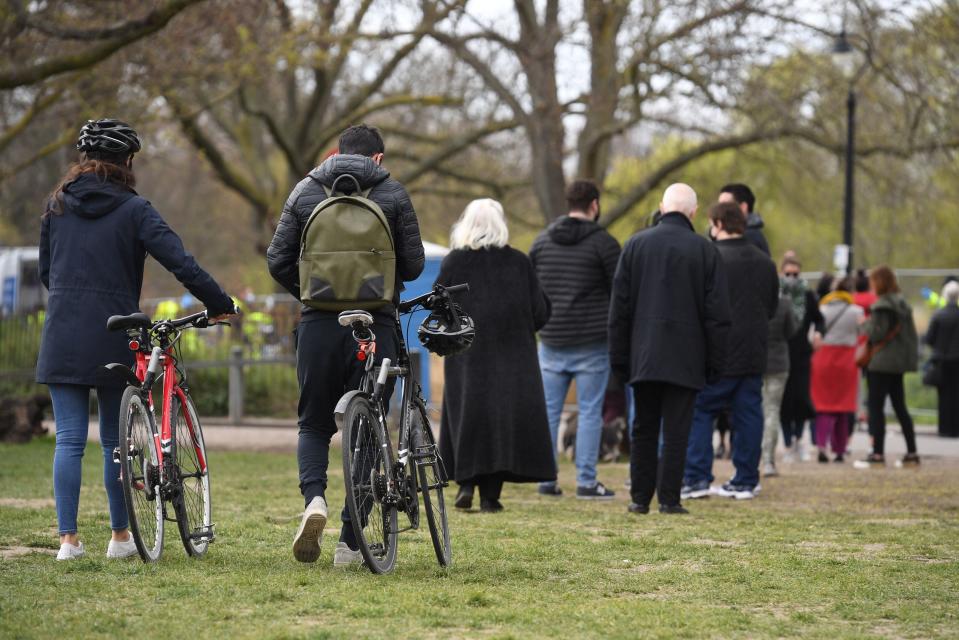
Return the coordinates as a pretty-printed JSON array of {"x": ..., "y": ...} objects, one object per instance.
[{"x": 427, "y": 299}]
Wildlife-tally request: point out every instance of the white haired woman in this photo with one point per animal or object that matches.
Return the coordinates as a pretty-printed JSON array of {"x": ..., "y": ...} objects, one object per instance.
[{"x": 494, "y": 427}]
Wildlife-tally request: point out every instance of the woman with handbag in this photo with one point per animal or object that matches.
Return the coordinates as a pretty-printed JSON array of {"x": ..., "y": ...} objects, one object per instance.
[
  {"x": 891, "y": 350},
  {"x": 835, "y": 377},
  {"x": 943, "y": 338}
]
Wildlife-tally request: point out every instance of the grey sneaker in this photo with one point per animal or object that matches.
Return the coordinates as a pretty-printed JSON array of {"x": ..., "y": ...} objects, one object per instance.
[
  {"x": 596, "y": 492},
  {"x": 346, "y": 557},
  {"x": 737, "y": 491},
  {"x": 769, "y": 470},
  {"x": 695, "y": 491},
  {"x": 306, "y": 544}
]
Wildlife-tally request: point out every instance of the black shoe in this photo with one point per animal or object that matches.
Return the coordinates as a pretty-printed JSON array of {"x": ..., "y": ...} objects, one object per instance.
[
  {"x": 464, "y": 498},
  {"x": 638, "y": 509},
  {"x": 672, "y": 509},
  {"x": 870, "y": 461},
  {"x": 839, "y": 459},
  {"x": 910, "y": 460},
  {"x": 490, "y": 506},
  {"x": 823, "y": 457},
  {"x": 596, "y": 492},
  {"x": 550, "y": 489}
]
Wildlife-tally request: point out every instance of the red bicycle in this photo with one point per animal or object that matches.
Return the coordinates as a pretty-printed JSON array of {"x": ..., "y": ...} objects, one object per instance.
[{"x": 169, "y": 464}]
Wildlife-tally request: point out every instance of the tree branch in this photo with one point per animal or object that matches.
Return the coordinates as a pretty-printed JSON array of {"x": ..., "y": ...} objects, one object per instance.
[
  {"x": 40, "y": 105},
  {"x": 18, "y": 75},
  {"x": 278, "y": 136},
  {"x": 455, "y": 146}
]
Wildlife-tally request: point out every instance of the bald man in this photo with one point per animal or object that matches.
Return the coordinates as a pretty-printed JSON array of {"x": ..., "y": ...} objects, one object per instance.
[{"x": 668, "y": 319}]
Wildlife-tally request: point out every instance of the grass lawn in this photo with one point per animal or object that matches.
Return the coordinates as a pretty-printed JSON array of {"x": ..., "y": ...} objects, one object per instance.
[{"x": 824, "y": 552}]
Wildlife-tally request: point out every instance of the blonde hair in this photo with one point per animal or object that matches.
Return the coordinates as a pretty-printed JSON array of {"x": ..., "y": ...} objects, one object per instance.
[{"x": 481, "y": 225}]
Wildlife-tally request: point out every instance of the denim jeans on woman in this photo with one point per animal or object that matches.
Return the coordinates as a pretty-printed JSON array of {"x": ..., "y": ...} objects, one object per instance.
[
  {"x": 71, "y": 410},
  {"x": 588, "y": 365}
]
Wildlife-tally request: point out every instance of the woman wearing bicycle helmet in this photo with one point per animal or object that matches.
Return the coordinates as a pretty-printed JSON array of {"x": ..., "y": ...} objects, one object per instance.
[
  {"x": 94, "y": 238},
  {"x": 494, "y": 427}
]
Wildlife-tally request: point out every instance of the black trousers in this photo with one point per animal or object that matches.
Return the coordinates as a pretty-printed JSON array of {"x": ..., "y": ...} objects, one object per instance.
[
  {"x": 948, "y": 392},
  {"x": 490, "y": 486},
  {"x": 882, "y": 385},
  {"x": 666, "y": 407},
  {"x": 326, "y": 368}
]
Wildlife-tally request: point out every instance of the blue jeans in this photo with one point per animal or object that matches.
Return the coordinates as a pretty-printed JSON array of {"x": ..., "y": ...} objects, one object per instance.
[
  {"x": 588, "y": 365},
  {"x": 71, "y": 408},
  {"x": 744, "y": 396}
]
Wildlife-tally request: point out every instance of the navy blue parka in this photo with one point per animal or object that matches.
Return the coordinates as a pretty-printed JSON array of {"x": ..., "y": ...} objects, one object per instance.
[{"x": 91, "y": 260}]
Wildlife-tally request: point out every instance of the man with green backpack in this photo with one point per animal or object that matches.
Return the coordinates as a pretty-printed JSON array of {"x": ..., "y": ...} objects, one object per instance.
[{"x": 347, "y": 239}]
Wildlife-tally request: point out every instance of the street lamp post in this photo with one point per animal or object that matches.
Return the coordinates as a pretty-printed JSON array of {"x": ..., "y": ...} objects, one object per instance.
[{"x": 845, "y": 57}]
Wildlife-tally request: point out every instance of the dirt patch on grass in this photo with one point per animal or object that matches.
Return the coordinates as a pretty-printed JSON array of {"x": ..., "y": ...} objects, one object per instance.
[
  {"x": 27, "y": 503},
  {"x": 8, "y": 553},
  {"x": 725, "y": 544}
]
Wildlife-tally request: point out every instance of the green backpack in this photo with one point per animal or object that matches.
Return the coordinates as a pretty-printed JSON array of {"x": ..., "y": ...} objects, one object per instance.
[{"x": 347, "y": 259}]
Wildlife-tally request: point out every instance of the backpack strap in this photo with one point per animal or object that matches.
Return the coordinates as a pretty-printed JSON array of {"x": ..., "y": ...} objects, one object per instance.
[{"x": 340, "y": 177}]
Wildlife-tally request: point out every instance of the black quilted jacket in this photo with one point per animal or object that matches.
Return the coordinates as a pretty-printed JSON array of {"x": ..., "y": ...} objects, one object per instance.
[{"x": 389, "y": 194}]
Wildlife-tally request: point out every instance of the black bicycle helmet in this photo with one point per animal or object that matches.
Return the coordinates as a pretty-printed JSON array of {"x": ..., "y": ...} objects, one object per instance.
[
  {"x": 108, "y": 136},
  {"x": 447, "y": 331}
]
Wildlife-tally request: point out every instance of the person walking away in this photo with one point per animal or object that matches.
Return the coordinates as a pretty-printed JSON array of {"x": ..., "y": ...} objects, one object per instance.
[
  {"x": 743, "y": 197},
  {"x": 326, "y": 365},
  {"x": 797, "y": 407},
  {"x": 668, "y": 320},
  {"x": 835, "y": 377},
  {"x": 943, "y": 338},
  {"x": 95, "y": 235},
  {"x": 864, "y": 299},
  {"x": 781, "y": 328},
  {"x": 753, "y": 297},
  {"x": 494, "y": 427},
  {"x": 891, "y": 334},
  {"x": 575, "y": 259}
]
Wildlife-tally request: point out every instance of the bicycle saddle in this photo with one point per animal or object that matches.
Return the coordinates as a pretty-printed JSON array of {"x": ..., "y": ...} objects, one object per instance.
[
  {"x": 348, "y": 318},
  {"x": 132, "y": 321}
]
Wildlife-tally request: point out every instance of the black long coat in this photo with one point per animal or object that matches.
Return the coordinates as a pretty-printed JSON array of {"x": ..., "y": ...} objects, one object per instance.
[
  {"x": 669, "y": 313},
  {"x": 91, "y": 260},
  {"x": 494, "y": 409}
]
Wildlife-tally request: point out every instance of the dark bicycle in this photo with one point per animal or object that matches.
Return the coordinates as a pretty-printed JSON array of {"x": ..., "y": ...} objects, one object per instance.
[
  {"x": 382, "y": 481},
  {"x": 166, "y": 463}
]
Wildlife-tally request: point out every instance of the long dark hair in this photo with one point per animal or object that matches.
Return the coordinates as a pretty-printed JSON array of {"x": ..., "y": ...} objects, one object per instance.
[{"x": 114, "y": 169}]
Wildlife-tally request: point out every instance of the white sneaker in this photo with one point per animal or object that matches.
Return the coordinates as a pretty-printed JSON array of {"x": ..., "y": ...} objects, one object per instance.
[
  {"x": 788, "y": 456},
  {"x": 70, "y": 552},
  {"x": 306, "y": 544},
  {"x": 804, "y": 455},
  {"x": 122, "y": 549},
  {"x": 769, "y": 470},
  {"x": 346, "y": 557},
  {"x": 738, "y": 492}
]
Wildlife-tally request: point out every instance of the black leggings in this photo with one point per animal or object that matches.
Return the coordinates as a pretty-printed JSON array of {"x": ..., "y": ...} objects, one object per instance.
[
  {"x": 490, "y": 486},
  {"x": 880, "y": 386}
]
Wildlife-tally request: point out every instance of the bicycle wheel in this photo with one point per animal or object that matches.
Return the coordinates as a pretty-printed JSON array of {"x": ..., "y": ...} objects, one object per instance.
[
  {"x": 429, "y": 465},
  {"x": 194, "y": 514},
  {"x": 365, "y": 475},
  {"x": 140, "y": 475}
]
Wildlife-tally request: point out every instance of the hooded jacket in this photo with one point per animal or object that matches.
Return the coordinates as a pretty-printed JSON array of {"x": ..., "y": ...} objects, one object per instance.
[
  {"x": 575, "y": 260},
  {"x": 943, "y": 333},
  {"x": 753, "y": 298},
  {"x": 283, "y": 255},
  {"x": 901, "y": 355},
  {"x": 92, "y": 256},
  {"x": 754, "y": 232}
]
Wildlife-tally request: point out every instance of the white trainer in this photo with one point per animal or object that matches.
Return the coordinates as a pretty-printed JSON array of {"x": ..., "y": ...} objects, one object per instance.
[
  {"x": 70, "y": 552},
  {"x": 122, "y": 548},
  {"x": 346, "y": 557},
  {"x": 769, "y": 470},
  {"x": 306, "y": 544}
]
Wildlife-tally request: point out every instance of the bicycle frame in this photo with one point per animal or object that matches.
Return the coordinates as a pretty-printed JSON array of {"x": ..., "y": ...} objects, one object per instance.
[{"x": 163, "y": 438}]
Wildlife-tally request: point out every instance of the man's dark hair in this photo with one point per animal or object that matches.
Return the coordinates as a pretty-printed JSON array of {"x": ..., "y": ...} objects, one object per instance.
[
  {"x": 361, "y": 140},
  {"x": 862, "y": 281},
  {"x": 729, "y": 216},
  {"x": 740, "y": 193},
  {"x": 580, "y": 194},
  {"x": 846, "y": 284}
]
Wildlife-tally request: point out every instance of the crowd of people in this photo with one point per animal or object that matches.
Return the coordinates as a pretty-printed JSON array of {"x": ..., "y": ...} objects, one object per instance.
[{"x": 701, "y": 328}]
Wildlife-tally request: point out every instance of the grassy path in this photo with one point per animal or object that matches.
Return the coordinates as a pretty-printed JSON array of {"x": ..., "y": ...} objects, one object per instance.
[{"x": 825, "y": 552}]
